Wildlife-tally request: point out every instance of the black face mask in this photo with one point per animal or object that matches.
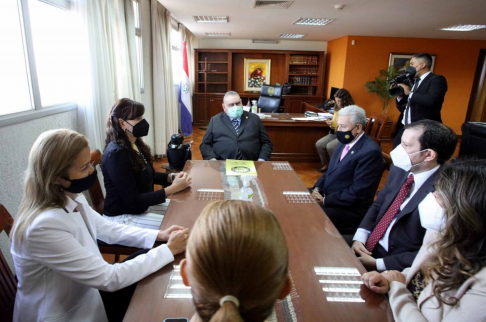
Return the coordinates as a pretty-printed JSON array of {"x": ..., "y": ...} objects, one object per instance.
[
  {"x": 140, "y": 129},
  {"x": 83, "y": 184},
  {"x": 345, "y": 137}
]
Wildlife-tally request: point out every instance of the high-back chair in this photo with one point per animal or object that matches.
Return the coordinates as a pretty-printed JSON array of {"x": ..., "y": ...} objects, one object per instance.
[
  {"x": 375, "y": 127},
  {"x": 8, "y": 282},
  {"x": 98, "y": 202},
  {"x": 269, "y": 101}
]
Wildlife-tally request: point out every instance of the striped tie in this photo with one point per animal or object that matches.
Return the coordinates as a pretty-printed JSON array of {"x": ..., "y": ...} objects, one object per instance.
[{"x": 236, "y": 124}]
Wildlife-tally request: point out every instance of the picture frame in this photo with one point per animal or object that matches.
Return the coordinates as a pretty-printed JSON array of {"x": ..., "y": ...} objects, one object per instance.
[
  {"x": 402, "y": 61},
  {"x": 256, "y": 73}
]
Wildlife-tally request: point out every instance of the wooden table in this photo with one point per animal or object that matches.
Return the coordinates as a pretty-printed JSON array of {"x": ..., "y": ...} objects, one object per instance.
[
  {"x": 311, "y": 237},
  {"x": 293, "y": 140}
]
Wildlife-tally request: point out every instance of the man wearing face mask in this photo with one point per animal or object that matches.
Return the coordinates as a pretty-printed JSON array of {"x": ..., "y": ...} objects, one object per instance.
[
  {"x": 235, "y": 134},
  {"x": 422, "y": 101},
  {"x": 392, "y": 231},
  {"x": 347, "y": 189}
]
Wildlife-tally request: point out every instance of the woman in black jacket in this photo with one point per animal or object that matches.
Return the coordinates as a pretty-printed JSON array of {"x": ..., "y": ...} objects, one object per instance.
[{"x": 127, "y": 164}]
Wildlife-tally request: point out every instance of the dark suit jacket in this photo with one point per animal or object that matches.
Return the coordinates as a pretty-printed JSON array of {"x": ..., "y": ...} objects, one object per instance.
[
  {"x": 426, "y": 101},
  {"x": 407, "y": 234},
  {"x": 349, "y": 186},
  {"x": 221, "y": 141}
]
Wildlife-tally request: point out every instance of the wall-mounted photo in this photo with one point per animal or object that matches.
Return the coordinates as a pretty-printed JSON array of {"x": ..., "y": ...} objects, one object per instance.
[
  {"x": 402, "y": 61},
  {"x": 257, "y": 72}
]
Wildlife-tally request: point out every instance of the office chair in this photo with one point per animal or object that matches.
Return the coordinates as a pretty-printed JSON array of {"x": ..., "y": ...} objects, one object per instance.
[
  {"x": 8, "y": 282},
  {"x": 473, "y": 140},
  {"x": 269, "y": 101},
  {"x": 375, "y": 127}
]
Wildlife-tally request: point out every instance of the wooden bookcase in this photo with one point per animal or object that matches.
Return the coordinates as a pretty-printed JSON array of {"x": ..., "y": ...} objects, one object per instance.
[{"x": 220, "y": 70}]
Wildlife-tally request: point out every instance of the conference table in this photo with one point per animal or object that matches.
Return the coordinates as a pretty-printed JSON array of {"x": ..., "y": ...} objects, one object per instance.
[
  {"x": 294, "y": 140},
  {"x": 314, "y": 246}
]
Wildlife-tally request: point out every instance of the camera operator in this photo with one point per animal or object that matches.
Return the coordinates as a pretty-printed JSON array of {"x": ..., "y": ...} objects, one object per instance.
[{"x": 422, "y": 101}]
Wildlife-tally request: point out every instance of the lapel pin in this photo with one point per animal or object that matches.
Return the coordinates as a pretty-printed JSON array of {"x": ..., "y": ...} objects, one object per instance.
[{"x": 352, "y": 152}]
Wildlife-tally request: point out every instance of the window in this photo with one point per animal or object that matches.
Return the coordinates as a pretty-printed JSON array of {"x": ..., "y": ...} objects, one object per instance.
[
  {"x": 14, "y": 75},
  {"x": 38, "y": 63},
  {"x": 138, "y": 43}
]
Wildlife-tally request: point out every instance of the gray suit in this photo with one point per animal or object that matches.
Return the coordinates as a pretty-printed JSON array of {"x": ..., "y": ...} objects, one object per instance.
[{"x": 222, "y": 142}]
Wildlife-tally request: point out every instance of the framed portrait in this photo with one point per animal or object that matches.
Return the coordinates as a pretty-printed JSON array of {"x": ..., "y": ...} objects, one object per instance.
[
  {"x": 402, "y": 61},
  {"x": 257, "y": 72}
]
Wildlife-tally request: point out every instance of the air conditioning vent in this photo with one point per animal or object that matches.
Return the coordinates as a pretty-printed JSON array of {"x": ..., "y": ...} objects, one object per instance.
[
  {"x": 264, "y": 41},
  {"x": 272, "y": 4},
  {"x": 223, "y": 19}
]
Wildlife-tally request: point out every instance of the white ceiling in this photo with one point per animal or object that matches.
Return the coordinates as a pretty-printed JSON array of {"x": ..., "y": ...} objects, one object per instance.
[{"x": 386, "y": 18}]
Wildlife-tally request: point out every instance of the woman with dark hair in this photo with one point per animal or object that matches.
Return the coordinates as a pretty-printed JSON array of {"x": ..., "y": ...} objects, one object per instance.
[
  {"x": 326, "y": 145},
  {"x": 127, "y": 165},
  {"x": 447, "y": 280}
]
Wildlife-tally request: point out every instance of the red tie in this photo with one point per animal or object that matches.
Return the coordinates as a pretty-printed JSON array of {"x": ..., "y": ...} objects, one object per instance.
[{"x": 385, "y": 221}]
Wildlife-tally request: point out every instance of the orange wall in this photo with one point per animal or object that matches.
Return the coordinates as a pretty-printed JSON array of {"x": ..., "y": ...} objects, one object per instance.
[
  {"x": 456, "y": 60},
  {"x": 336, "y": 63}
]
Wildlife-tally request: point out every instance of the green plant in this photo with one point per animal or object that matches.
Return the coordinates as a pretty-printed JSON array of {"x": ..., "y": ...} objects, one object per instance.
[{"x": 381, "y": 85}]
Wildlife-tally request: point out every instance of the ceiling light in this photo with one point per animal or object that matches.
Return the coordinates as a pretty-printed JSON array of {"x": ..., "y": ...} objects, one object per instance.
[
  {"x": 223, "y": 19},
  {"x": 313, "y": 21},
  {"x": 464, "y": 27},
  {"x": 272, "y": 4},
  {"x": 292, "y": 36},
  {"x": 264, "y": 41},
  {"x": 218, "y": 34}
]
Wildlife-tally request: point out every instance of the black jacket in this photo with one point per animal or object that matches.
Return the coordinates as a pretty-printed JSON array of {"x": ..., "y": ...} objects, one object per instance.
[
  {"x": 127, "y": 191},
  {"x": 221, "y": 142}
]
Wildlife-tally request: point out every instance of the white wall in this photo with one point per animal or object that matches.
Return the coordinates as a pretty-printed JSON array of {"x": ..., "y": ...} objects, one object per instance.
[
  {"x": 247, "y": 44},
  {"x": 16, "y": 141}
]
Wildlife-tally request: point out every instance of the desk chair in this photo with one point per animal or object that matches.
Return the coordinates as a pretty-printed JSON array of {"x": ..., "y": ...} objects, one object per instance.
[
  {"x": 8, "y": 282},
  {"x": 269, "y": 101},
  {"x": 98, "y": 202},
  {"x": 375, "y": 127}
]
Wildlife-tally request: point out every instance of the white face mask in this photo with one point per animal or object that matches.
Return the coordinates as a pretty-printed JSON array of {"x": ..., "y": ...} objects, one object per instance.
[
  {"x": 432, "y": 215},
  {"x": 401, "y": 158}
]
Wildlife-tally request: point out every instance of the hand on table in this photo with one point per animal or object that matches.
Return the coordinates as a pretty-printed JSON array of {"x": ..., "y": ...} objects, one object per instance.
[
  {"x": 317, "y": 196},
  {"x": 359, "y": 248},
  {"x": 380, "y": 283},
  {"x": 178, "y": 240},
  {"x": 164, "y": 235},
  {"x": 180, "y": 182}
]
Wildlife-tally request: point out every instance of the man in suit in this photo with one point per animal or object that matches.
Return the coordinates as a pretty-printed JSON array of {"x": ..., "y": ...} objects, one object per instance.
[
  {"x": 348, "y": 187},
  {"x": 235, "y": 134},
  {"x": 425, "y": 99},
  {"x": 391, "y": 233}
]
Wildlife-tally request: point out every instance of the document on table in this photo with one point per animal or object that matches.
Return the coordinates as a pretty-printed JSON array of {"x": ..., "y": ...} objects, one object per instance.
[
  {"x": 311, "y": 118},
  {"x": 149, "y": 220}
]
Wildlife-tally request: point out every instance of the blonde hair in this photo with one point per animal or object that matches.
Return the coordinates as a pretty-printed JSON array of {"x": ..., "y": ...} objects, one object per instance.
[
  {"x": 51, "y": 156},
  {"x": 236, "y": 248}
]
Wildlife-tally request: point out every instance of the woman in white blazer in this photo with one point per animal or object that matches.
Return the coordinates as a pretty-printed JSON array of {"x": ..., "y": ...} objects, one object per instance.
[
  {"x": 447, "y": 280},
  {"x": 58, "y": 264}
]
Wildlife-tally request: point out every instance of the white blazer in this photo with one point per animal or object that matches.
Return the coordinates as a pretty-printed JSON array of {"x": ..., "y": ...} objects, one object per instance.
[
  {"x": 471, "y": 295},
  {"x": 60, "y": 269}
]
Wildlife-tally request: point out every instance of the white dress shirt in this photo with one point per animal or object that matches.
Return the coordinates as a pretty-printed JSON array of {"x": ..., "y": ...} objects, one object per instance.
[
  {"x": 60, "y": 269},
  {"x": 363, "y": 234},
  {"x": 410, "y": 97}
]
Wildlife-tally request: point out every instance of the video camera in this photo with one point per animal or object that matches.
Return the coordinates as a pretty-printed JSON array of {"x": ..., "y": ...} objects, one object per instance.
[{"x": 406, "y": 78}]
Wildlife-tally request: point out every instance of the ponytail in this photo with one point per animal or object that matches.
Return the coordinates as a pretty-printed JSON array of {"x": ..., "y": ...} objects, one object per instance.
[{"x": 227, "y": 312}]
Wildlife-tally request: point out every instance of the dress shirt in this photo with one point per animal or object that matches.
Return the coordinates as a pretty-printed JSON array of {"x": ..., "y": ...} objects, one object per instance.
[
  {"x": 363, "y": 234},
  {"x": 354, "y": 142},
  {"x": 410, "y": 97}
]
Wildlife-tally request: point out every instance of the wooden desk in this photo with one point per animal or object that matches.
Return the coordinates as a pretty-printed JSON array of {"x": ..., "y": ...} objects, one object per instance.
[
  {"x": 294, "y": 141},
  {"x": 311, "y": 237}
]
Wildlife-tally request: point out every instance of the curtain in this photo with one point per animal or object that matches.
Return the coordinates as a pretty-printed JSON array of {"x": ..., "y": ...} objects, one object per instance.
[
  {"x": 165, "y": 100},
  {"x": 112, "y": 63}
]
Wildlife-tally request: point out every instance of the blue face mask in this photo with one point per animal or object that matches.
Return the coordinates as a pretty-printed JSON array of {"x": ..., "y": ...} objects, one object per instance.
[{"x": 235, "y": 111}]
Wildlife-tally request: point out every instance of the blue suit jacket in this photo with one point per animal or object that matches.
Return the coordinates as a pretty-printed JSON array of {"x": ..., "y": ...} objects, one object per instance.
[
  {"x": 221, "y": 141},
  {"x": 407, "y": 233},
  {"x": 350, "y": 185}
]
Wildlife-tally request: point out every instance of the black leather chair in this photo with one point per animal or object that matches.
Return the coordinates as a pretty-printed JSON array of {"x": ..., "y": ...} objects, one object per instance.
[
  {"x": 473, "y": 142},
  {"x": 269, "y": 101}
]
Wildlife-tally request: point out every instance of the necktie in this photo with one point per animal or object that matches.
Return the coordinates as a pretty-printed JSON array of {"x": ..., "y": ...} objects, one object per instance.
[
  {"x": 236, "y": 124},
  {"x": 345, "y": 151},
  {"x": 407, "y": 109},
  {"x": 385, "y": 221}
]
